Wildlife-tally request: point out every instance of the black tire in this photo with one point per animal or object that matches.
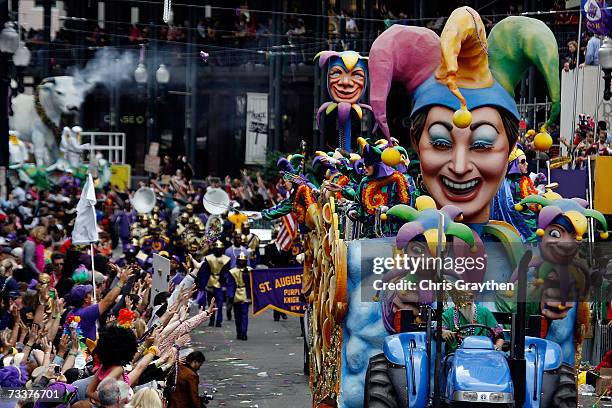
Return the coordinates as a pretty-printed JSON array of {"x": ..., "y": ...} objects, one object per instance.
[
  {"x": 565, "y": 395},
  {"x": 306, "y": 358},
  {"x": 379, "y": 391}
]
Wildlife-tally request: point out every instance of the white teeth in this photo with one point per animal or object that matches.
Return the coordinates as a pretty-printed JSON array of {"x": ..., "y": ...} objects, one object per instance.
[{"x": 459, "y": 186}]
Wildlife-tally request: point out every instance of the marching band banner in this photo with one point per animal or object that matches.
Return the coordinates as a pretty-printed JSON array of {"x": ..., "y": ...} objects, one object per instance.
[
  {"x": 597, "y": 15},
  {"x": 279, "y": 289},
  {"x": 256, "y": 128}
]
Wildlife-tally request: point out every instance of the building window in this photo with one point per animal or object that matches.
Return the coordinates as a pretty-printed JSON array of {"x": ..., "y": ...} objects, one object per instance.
[{"x": 41, "y": 3}]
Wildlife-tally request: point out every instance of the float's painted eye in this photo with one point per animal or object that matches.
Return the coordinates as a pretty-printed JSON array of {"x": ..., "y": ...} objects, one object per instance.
[
  {"x": 439, "y": 136},
  {"x": 484, "y": 136}
]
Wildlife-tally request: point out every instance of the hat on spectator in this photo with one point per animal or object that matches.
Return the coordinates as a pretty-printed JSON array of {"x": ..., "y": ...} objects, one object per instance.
[
  {"x": 17, "y": 252},
  {"x": 14, "y": 361},
  {"x": 14, "y": 294},
  {"x": 13, "y": 376},
  {"x": 65, "y": 392},
  {"x": 79, "y": 292}
]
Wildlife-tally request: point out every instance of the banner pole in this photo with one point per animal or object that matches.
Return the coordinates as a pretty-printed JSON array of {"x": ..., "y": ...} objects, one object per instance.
[
  {"x": 93, "y": 272},
  {"x": 576, "y": 71}
]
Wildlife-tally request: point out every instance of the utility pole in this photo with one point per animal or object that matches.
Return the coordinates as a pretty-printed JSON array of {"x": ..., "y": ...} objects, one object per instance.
[
  {"x": 193, "y": 60},
  {"x": 46, "y": 37},
  {"x": 4, "y": 90},
  {"x": 275, "y": 80},
  {"x": 191, "y": 64},
  {"x": 278, "y": 78}
]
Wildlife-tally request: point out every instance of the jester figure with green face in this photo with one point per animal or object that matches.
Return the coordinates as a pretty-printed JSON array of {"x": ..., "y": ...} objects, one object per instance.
[
  {"x": 302, "y": 194},
  {"x": 561, "y": 280}
]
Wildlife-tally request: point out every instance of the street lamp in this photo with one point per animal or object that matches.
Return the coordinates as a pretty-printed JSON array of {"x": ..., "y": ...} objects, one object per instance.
[
  {"x": 21, "y": 58},
  {"x": 140, "y": 74},
  {"x": 605, "y": 61},
  {"x": 162, "y": 75},
  {"x": 9, "y": 42},
  {"x": 9, "y": 39}
]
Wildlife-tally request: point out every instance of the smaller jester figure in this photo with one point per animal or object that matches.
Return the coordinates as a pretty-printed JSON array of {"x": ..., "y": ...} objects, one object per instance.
[
  {"x": 347, "y": 80},
  {"x": 518, "y": 174},
  {"x": 520, "y": 186},
  {"x": 325, "y": 167},
  {"x": 302, "y": 194},
  {"x": 418, "y": 239},
  {"x": 382, "y": 186},
  {"x": 560, "y": 278}
]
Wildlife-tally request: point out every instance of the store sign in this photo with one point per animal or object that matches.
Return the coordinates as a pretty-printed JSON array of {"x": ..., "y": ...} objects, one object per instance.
[
  {"x": 127, "y": 119},
  {"x": 256, "y": 128}
]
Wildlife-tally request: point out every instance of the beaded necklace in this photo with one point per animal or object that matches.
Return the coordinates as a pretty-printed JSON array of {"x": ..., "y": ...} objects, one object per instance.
[
  {"x": 456, "y": 318},
  {"x": 44, "y": 118}
]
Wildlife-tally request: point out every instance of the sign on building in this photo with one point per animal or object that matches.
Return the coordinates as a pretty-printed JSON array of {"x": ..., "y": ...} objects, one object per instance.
[{"x": 256, "y": 128}]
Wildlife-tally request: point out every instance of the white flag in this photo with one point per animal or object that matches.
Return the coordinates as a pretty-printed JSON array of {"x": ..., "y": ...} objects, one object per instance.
[{"x": 85, "y": 227}]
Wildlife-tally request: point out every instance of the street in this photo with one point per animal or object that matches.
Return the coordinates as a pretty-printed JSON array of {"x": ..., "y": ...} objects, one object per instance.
[{"x": 263, "y": 372}]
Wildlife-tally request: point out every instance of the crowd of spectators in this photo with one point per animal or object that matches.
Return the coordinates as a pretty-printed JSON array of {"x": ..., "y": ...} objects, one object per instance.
[
  {"x": 251, "y": 191},
  {"x": 87, "y": 326}
]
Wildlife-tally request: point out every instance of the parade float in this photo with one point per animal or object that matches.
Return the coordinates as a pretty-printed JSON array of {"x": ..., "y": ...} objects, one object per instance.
[
  {"x": 58, "y": 152},
  {"x": 370, "y": 345}
]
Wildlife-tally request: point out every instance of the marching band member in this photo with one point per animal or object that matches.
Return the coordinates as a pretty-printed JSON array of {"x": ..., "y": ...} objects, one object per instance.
[{"x": 239, "y": 289}]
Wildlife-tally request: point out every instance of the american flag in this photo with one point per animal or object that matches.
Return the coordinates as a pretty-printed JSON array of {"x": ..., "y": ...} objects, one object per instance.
[{"x": 287, "y": 233}]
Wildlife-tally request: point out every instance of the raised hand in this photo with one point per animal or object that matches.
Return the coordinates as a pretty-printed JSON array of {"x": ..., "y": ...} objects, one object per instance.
[
  {"x": 63, "y": 345},
  {"x": 45, "y": 344},
  {"x": 184, "y": 313},
  {"x": 196, "y": 265},
  {"x": 34, "y": 332},
  {"x": 128, "y": 302},
  {"x": 126, "y": 273},
  {"x": 58, "y": 307},
  {"x": 211, "y": 308},
  {"x": 74, "y": 339}
]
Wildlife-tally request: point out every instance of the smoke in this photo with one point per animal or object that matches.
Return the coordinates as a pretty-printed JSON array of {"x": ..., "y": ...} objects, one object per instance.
[{"x": 108, "y": 67}]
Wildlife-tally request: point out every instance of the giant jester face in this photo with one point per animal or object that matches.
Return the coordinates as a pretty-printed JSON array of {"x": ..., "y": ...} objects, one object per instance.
[
  {"x": 346, "y": 85},
  {"x": 464, "y": 167}
]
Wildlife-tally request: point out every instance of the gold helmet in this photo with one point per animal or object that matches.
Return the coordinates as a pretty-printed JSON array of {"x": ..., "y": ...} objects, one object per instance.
[
  {"x": 189, "y": 209},
  {"x": 218, "y": 244},
  {"x": 242, "y": 257}
]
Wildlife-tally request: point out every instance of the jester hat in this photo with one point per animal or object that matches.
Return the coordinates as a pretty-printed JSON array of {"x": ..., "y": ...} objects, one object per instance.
[
  {"x": 473, "y": 71},
  {"x": 404, "y": 162},
  {"x": 573, "y": 212},
  {"x": 513, "y": 164},
  {"x": 372, "y": 156},
  {"x": 424, "y": 220},
  {"x": 291, "y": 167}
]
